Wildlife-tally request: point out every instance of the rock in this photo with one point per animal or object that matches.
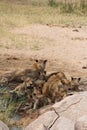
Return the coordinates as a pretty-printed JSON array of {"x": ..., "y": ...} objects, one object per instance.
[
  {"x": 43, "y": 120},
  {"x": 70, "y": 110},
  {"x": 40, "y": 127},
  {"x": 60, "y": 124},
  {"x": 81, "y": 123},
  {"x": 3, "y": 126},
  {"x": 63, "y": 124},
  {"x": 73, "y": 107}
]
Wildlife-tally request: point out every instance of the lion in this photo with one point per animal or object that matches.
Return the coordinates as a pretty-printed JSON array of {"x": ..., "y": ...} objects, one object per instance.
[
  {"x": 38, "y": 85},
  {"x": 58, "y": 86},
  {"x": 26, "y": 86},
  {"x": 35, "y": 72},
  {"x": 74, "y": 84},
  {"x": 60, "y": 75},
  {"x": 53, "y": 89},
  {"x": 40, "y": 101}
]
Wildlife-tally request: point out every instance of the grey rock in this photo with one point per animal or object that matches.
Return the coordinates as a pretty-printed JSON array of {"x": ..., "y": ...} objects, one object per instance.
[
  {"x": 3, "y": 126},
  {"x": 63, "y": 124},
  {"x": 70, "y": 110},
  {"x": 43, "y": 120},
  {"x": 73, "y": 107},
  {"x": 81, "y": 123}
]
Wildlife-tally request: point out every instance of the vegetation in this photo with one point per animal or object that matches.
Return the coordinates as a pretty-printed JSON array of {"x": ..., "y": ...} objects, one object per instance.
[
  {"x": 70, "y": 6},
  {"x": 16, "y": 15},
  {"x": 9, "y": 106},
  {"x": 20, "y": 13}
]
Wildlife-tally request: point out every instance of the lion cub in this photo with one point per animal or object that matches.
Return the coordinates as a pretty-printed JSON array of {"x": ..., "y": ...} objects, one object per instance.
[
  {"x": 74, "y": 84},
  {"x": 26, "y": 86},
  {"x": 60, "y": 75},
  {"x": 40, "y": 101},
  {"x": 56, "y": 87},
  {"x": 34, "y": 72}
]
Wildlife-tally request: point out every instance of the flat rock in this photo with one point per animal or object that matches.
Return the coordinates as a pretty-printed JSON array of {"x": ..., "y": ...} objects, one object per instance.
[
  {"x": 3, "y": 126},
  {"x": 70, "y": 110},
  {"x": 63, "y": 124},
  {"x": 81, "y": 123},
  {"x": 73, "y": 107},
  {"x": 43, "y": 120}
]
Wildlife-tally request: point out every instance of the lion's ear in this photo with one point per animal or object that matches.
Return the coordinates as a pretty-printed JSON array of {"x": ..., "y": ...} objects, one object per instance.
[{"x": 45, "y": 61}]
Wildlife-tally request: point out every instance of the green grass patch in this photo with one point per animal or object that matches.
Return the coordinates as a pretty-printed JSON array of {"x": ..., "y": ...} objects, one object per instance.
[
  {"x": 70, "y": 6},
  {"x": 9, "y": 104}
]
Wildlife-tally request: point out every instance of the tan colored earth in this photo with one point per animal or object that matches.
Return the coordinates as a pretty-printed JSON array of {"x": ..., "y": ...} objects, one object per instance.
[{"x": 65, "y": 50}]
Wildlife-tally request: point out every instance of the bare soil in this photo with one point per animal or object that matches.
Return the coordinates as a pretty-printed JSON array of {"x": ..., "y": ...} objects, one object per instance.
[{"x": 67, "y": 51}]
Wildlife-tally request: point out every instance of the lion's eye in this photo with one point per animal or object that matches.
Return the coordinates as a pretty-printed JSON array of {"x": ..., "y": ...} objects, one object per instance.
[
  {"x": 31, "y": 87},
  {"x": 28, "y": 86},
  {"x": 30, "y": 96},
  {"x": 39, "y": 87},
  {"x": 34, "y": 94}
]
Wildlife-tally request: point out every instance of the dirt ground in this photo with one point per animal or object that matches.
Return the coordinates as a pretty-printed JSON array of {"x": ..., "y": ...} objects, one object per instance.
[{"x": 66, "y": 51}]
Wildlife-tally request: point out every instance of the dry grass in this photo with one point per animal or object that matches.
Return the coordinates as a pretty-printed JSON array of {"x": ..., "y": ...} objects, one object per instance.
[{"x": 25, "y": 13}]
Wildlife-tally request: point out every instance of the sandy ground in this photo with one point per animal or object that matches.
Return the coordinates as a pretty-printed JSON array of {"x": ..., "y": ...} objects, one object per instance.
[{"x": 67, "y": 50}]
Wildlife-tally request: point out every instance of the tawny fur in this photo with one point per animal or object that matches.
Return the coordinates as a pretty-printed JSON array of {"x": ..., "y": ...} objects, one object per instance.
[
  {"x": 53, "y": 89},
  {"x": 24, "y": 87},
  {"x": 34, "y": 72},
  {"x": 58, "y": 85},
  {"x": 40, "y": 101},
  {"x": 75, "y": 83}
]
